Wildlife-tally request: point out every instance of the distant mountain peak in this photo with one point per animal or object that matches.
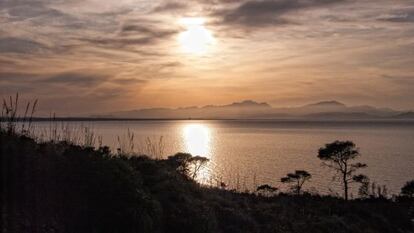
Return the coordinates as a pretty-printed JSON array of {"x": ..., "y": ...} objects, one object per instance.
[
  {"x": 249, "y": 103},
  {"x": 330, "y": 109},
  {"x": 408, "y": 115},
  {"x": 329, "y": 103}
]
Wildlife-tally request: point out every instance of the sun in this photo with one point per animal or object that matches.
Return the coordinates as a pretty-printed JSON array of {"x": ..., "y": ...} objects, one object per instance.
[{"x": 196, "y": 39}]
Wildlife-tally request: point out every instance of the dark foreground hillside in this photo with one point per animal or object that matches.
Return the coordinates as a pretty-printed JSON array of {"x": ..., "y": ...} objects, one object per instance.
[{"x": 64, "y": 188}]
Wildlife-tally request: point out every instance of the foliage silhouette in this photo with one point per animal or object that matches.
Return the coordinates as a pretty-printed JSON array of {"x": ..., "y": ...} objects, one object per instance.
[
  {"x": 338, "y": 155},
  {"x": 363, "y": 190},
  {"x": 60, "y": 187},
  {"x": 181, "y": 162},
  {"x": 187, "y": 164},
  {"x": 297, "y": 180},
  {"x": 408, "y": 189},
  {"x": 197, "y": 163},
  {"x": 266, "y": 190}
]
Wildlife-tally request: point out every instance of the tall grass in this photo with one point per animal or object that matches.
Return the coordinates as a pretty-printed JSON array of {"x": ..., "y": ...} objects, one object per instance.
[
  {"x": 150, "y": 146},
  {"x": 13, "y": 122},
  {"x": 155, "y": 147},
  {"x": 10, "y": 116}
]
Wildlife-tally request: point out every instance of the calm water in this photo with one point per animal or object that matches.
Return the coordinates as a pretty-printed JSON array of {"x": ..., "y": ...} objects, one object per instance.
[{"x": 245, "y": 154}]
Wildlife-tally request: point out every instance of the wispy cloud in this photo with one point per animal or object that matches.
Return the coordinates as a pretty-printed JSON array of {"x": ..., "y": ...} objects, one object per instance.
[
  {"x": 267, "y": 12},
  {"x": 20, "y": 45},
  {"x": 170, "y": 7},
  {"x": 76, "y": 79},
  {"x": 402, "y": 16},
  {"x": 127, "y": 51}
]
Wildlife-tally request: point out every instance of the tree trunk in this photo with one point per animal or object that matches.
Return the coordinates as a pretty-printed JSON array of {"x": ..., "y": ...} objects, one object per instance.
[
  {"x": 298, "y": 189},
  {"x": 345, "y": 187}
]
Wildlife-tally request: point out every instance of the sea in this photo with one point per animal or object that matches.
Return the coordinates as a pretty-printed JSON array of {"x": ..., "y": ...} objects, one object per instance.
[{"x": 244, "y": 154}]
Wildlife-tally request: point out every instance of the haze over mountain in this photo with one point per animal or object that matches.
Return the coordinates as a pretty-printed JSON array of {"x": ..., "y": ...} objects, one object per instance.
[{"x": 249, "y": 109}]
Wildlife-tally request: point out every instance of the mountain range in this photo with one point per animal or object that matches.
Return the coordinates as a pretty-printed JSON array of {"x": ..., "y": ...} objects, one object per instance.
[{"x": 250, "y": 109}]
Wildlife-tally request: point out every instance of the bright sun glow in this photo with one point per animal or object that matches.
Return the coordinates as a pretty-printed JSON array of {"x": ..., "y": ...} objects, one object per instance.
[
  {"x": 197, "y": 139},
  {"x": 197, "y": 39}
]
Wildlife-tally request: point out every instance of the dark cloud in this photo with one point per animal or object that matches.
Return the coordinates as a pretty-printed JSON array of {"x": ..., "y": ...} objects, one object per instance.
[
  {"x": 147, "y": 31},
  {"x": 171, "y": 64},
  {"x": 14, "y": 77},
  {"x": 403, "y": 80},
  {"x": 132, "y": 35},
  {"x": 76, "y": 79},
  {"x": 6, "y": 62},
  {"x": 128, "y": 81},
  {"x": 402, "y": 17},
  {"x": 19, "y": 45},
  {"x": 38, "y": 11},
  {"x": 70, "y": 91},
  {"x": 12, "y": 82},
  {"x": 267, "y": 12},
  {"x": 33, "y": 10},
  {"x": 170, "y": 6},
  {"x": 119, "y": 42}
]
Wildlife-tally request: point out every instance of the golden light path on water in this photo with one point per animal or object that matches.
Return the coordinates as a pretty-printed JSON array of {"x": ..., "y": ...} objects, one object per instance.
[{"x": 197, "y": 141}]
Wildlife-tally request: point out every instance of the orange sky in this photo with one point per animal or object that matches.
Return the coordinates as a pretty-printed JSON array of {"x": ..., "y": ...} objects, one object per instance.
[{"x": 95, "y": 56}]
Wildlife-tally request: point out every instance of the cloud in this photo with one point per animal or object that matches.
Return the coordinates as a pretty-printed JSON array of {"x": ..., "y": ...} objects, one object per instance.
[
  {"x": 39, "y": 12},
  {"x": 110, "y": 49},
  {"x": 147, "y": 31},
  {"x": 401, "y": 17},
  {"x": 267, "y": 12},
  {"x": 119, "y": 42},
  {"x": 128, "y": 81},
  {"x": 6, "y": 62},
  {"x": 132, "y": 34},
  {"x": 76, "y": 79},
  {"x": 18, "y": 45},
  {"x": 402, "y": 80},
  {"x": 27, "y": 78},
  {"x": 169, "y": 7}
]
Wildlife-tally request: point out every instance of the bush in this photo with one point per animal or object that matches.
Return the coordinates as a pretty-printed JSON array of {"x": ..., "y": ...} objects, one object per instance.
[{"x": 58, "y": 187}]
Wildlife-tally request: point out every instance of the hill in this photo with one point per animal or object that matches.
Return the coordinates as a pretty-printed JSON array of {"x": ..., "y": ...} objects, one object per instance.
[
  {"x": 341, "y": 115},
  {"x": 59, "y": 187},
  {"x": 405, "y": 115},
  {"x": 330, "y": 103},
  {"x": 244, "y": 109},
  {"x": 250, "y": 109}
]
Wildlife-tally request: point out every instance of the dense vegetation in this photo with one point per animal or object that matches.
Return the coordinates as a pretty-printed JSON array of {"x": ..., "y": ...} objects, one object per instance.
[
  {"x": 64, "y": 184},
  {"x": 60, "y": 187}
]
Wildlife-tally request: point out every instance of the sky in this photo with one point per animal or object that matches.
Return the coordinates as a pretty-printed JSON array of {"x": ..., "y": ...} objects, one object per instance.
[{"x": 93, "y": 56}]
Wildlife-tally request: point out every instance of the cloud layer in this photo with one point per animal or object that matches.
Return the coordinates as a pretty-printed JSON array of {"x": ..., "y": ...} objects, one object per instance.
[{"x": 126, "y": 54}]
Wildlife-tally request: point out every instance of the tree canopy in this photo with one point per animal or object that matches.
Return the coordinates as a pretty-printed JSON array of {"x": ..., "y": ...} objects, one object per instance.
[
  {"x": 297, "y": 179},
  {"x": 337, "y": 155}
]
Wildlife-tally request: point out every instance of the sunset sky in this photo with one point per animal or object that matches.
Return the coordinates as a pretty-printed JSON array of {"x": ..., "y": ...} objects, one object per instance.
[{"x": 91, "y": 56}]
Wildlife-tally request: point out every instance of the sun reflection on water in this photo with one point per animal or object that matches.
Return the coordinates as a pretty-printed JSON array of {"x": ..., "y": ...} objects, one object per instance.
[{"x": 197, "y": 141}]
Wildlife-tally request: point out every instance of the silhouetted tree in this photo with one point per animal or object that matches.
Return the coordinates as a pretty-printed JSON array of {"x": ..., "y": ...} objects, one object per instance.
[
  {"x": 186, "y": 164},
  {"x": 337, "y": 155},
  {"x": 370, "y": 190},
  {"x": 266, "y": 190},
  {"x": 297, "y": 179},
  {"x": 196, "y": 163},
  {"x": 180, "y": 162},
  {"x": 408, "y": 189},
  {"x": 363, "y": 190}
]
